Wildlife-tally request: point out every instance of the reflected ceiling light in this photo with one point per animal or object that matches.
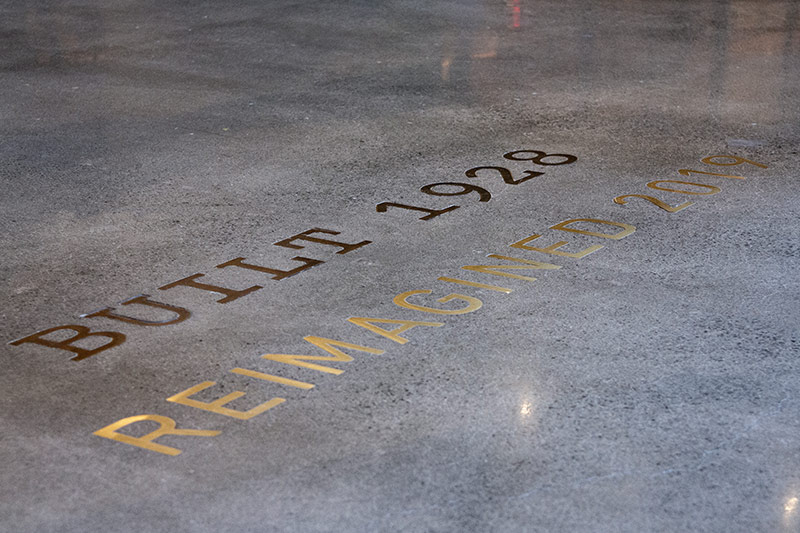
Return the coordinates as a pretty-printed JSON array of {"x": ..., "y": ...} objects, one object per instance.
[{"x": 446, "y": 61}]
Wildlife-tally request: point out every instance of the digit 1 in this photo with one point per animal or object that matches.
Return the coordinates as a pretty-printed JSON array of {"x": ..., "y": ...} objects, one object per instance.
[{"x": 432, "y": 213}]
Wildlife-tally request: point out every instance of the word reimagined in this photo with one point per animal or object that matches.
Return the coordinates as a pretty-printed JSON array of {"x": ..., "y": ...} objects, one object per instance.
[{"x": 419, "y": 303}]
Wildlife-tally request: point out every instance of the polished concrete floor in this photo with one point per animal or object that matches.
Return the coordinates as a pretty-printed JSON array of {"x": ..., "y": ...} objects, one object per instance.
[{"x": 408, "y": 266}]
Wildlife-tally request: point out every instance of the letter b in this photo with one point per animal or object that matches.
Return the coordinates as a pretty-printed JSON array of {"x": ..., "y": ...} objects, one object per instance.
[{"x": 81, "y": 332}]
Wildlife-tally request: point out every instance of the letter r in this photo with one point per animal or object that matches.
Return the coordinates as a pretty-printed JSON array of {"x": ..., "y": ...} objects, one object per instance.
[{"x": 166, "y": 427}]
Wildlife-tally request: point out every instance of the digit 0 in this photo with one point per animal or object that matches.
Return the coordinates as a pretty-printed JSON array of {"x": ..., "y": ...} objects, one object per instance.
[{"x": 709, "y": 189}]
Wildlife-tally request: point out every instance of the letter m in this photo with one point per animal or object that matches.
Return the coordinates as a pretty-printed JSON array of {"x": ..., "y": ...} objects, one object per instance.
[{"x": 329, "y": 346}]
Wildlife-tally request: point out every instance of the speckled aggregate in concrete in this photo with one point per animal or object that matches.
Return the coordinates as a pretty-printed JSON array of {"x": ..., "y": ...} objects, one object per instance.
[{"x": 652, "y": 385}]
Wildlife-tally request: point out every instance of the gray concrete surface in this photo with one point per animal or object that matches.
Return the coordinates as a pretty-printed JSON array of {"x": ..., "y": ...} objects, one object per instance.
[{"x": 649, "y": 386}]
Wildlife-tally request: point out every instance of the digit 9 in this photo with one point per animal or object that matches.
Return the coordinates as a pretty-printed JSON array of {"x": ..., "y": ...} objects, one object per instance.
[
  {"x": 466, "y": 188},
  {"x": 736, "y": 161}
]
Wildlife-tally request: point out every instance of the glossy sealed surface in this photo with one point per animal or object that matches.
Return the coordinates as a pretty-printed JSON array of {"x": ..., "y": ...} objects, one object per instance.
[{"x": 400, "y": 266}]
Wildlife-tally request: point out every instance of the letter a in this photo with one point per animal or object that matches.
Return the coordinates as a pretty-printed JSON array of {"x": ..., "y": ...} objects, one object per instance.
[{"x": 394, "y": 333}]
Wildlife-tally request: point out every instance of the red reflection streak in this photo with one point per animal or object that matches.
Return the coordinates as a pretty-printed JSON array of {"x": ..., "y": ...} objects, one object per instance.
[{"x": 516, "y": 13}]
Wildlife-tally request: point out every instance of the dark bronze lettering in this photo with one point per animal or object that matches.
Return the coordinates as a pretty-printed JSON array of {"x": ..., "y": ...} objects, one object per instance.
[
  {"x": 182, "y": 313},
  {"x": 305, "y": 236},
  {"x": 81, "y": 332},
  {"x": 505, "y": 174},
  {"x": 230, "y": 294},
  {"x": 432, "y": 213},
  {"x": 276, "y": 274}
]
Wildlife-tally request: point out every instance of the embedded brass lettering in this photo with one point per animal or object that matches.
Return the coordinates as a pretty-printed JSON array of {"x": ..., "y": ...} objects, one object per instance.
[
  {"x": 505, "y": 174},
  {"x": 230, "y": 294},
  {"x": 466, "y": 188},
  {"x": 276, "y": 274},
  {"x": 81, "y": 332},
  {"x": 475, "y": 284},
  {"x": 166, "y": 427},
  {"x": 269, "y": 377},
  {"x": 529, "y": 265},
  {"x": 393, "y": 334},
  {"x": 399, "y": 326},
  {"x": 218, "y": 405},
  {"x": 305, "y": 236},
  {"x": 553, "y": 248},
  {"x": 182, "y": 313},
  {"x": 710, "y": 188},
  {"x": 686, "y": 172},
  {"x": 627, "y": 229},
  {"x": 328, "y": 346},
  {"x": 473, "y": 304},
  {"x": 432, "y": 213},
  {"x": 655, "y": 201},
  {"x": 539, "y": 158},
  {"x": 736, "y": 161}
]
